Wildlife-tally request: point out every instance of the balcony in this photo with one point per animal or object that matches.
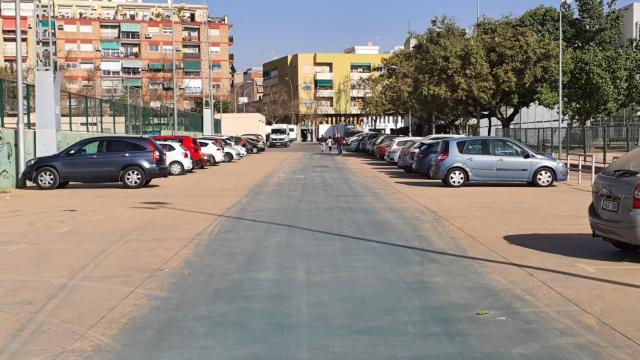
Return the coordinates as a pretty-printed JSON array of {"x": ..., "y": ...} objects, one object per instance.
[
  {"x": 130, "y": 36},
  {"x": 232, "y": 57},
  {"x": 230, "y": 40},
  {"x": 325, "y": 110},
  {"x": 360, "y": 92},
  {"x": 359, "y": 76},
  {"x": 324, "y": 76},
  {"x": 324, "y": 93},
  {"x": 195, "y": 38},
  {"x": 356, "y": 110},
  {"x": 270, "y": 82},
  {"x": 186, "y": 55},
  {"x": 192, "y": 91}
]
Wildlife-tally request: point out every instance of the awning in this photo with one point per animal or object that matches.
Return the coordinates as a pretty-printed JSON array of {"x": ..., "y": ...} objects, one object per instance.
[
  {"x": 109, "y": 24},
  {"x": 155, "y": 66},
  {"x": 192, "y": 66},
  {"x": 86, "y": 62},
  {"x": 324, "y": 83},
  {"x": 110, "y": 45},
  {"x": 132, "y": 64},
  {"x": 133, "y": 82},
  {"x": 111, "y": 65},
  {"x": 45, "y": 23},
  {"x": 360, "y": 64},
  {"x": 130, "y": 27},
  {"x": 191, "y": 27},
  {"x": 168, "y": 66},
  {"x": 10, "y": 24}
]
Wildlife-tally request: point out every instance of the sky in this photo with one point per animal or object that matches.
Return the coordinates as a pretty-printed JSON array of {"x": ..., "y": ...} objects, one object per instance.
[{"x": 267, "y": 29}]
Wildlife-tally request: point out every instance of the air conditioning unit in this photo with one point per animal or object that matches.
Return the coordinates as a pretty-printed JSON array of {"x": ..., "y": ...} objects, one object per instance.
[
  {"x": 60, "y": 27},
  {"x": 148, "y": 36},
  {"x": 98, "y": 48},
  {"x": 180, "y": 86},
  {"x": 178, "y": 50}
]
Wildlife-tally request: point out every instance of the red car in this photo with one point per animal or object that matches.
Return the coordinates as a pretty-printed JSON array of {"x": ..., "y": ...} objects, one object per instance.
[
  {"x": 381, "y": 150},
  {"x": 191, "y": 144}
]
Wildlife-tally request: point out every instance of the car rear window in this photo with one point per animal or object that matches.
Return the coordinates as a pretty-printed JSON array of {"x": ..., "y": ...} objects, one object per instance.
[
  {"x": 443, "y": 147},
  {"x": 116, "y": 146},
  {"x": 630, "y": 161},
  {"x": 134, "y": 147},
  {"x": 166, "y": 147}
]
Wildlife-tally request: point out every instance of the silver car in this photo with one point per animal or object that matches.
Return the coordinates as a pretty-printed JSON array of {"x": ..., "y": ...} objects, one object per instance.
[
  {"x": 614, "y": 213},
  {"x": 494, "y": 159}
]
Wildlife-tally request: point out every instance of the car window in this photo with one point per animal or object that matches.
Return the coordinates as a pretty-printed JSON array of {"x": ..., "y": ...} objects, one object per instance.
[
  {"x": 91, "y": 148},
  {"x": 183, "y": 148},
  {"x": 506, "y": 148},
  {"x": 630, "y": 161},
  {"x": 166, "y": 147},
  {"x": 202, "y": 144},
  {"x": 133, "y": 147},
  {"x": 116, "y": 146},
  {"x": 430, "y": 148},
  {"x": 475, "y": 147}
]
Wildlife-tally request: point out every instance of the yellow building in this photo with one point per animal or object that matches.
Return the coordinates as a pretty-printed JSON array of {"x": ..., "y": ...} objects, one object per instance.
[{"x": 325, "y": 87}]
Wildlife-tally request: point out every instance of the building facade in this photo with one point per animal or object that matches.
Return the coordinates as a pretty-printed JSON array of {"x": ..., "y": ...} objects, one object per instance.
[
  {"x": 126, "y": 48},
  {"x": 320, "y": 88},
  {"x": 631, "y": 27},
  {"x": 248, "y": 88}
]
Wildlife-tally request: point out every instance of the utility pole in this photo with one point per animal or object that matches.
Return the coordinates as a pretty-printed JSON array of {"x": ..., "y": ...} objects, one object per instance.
[
  {"x": 560, "y": 115},
  {"x": 173, "y": 67},
  {"x": 21, "y": 147},
  {"x": 292, "y": 108}
]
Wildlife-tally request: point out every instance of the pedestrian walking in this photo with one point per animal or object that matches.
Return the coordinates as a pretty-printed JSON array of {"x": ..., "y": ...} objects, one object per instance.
[
  {"x": 322, "y": 142},
  {"x": 340, "y": 144},
  {"x": 330, "y": 144}
]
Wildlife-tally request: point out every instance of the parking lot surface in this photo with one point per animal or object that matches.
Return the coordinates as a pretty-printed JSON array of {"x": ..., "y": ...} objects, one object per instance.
[{"x": 295, "y": 254}]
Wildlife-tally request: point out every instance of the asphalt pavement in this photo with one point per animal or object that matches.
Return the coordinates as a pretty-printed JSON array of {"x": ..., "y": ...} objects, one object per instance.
[{"x": 320, "y": 262}]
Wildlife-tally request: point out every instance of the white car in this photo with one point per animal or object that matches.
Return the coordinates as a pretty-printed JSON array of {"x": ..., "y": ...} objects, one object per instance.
[
  {"x": 229, "y": 152},
  {"x": 178, "y": 158},
  {"x": 241, "y": 152},
  {"x": 208, "y": 147},
  {"x": 393, "y": 151}
]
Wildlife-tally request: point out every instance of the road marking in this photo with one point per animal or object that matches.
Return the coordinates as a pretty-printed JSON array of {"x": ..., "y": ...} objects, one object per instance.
[{"x": 594, "y": 269}]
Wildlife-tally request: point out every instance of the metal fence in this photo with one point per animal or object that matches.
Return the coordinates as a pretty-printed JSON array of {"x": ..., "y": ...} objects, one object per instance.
[
  {"x": 86, "y": 113},
  {"x": 605, "y": 143}
]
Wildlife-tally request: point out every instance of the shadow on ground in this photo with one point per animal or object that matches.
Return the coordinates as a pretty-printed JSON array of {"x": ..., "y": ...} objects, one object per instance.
[{"x": 579, "y": 246}]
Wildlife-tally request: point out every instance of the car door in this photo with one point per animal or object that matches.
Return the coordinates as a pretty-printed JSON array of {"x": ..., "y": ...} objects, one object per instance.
[
  {"x": 477, "y": 157},
  {"x": 81, "y": 163},
  {"x": 511, "y": 164},
  {"x": 114, "y": 156}
]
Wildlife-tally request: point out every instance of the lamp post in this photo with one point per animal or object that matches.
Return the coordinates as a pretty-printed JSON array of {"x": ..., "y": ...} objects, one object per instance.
[
  {"x": 292, "y": 109},
  {"x": 21, "y": 147},
  {"x": 173, "y": 70},
  {"x": 235, "y": 96},
  {"x": 560, "y": 99}
]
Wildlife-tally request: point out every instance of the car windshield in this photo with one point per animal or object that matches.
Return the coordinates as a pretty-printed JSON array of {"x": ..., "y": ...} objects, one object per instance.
[
  {"x": 278, "y": 131},
  {"x": 630, "y": 161}
]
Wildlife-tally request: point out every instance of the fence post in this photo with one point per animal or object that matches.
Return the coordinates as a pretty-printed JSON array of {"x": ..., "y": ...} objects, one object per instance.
[
  {"x": 28, "y": 100},
  {"x": 113, "y": 114},
  {"x": 584, "y": 139},
  {"x": 568, "y": 134},
  {"x": 86, "y": 112},
  {"x": 580, "y": 170},
  {"x": 1, "y": 103},
  {"x": 604, "y": 146},
  {"x": 628, "y": 137},
  {"x": 539, "y": 141},
  {"x": 593, "y": 169},
  {"x": 100, "y": 110},
  {"x": 568, "y": 167},
  {"x": 69, "y": 112}
]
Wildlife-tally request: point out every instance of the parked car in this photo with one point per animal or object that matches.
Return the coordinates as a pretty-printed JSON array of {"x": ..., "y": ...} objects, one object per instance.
[
  {"x": 381, "y": 149},
  {"x": 230, "y": 153},
  {"x": 407, "y": 155},
  {"x": 372, "y": 146},
  {"x": 494, "y": 159},
  {"x": 229, "y": 142},
  {"x": 254, "y": 145},
  {"x": 211, "y": 149},
  {"x": 134, "y": 161},
  {"x": 614, "y": 213},
  {"x": 191, "y": 144},
  {"x": 178, "y": 158},
  {"x": 393, "y": 151},
  {"x": 424, "y": 158}
]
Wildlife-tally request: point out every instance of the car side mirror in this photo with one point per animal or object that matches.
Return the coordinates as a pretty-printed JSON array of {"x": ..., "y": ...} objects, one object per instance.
[{"x": 527, "y": 156}]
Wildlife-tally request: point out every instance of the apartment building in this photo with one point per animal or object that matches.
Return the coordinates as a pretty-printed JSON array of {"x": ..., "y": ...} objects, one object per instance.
[
  {"x": 631, "y": 27},
  {"x": 248, "y": 86},
  {"x": 324, "y": 87},
  {"x": 9, "y": 35},
  {"x": 126, "y": 48}
]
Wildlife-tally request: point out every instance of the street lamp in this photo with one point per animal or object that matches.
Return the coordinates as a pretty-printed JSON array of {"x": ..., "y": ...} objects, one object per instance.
[
  {"x": 21, "y": 147},
  {"x": 410, "y": 117},
  {"x": 560, "y": 100},
  {"x": 292, "y": 109},
  {"x": 235, "y": 97},
  {"x": 173, "y": 69}
]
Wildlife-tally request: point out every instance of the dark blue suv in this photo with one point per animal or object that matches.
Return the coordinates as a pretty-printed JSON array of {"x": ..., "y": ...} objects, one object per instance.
[{"x": 134, "y": 161}]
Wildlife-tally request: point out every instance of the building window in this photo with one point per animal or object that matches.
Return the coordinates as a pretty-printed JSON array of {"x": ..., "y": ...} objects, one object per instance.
[
  {"x": 86, "y": 28},
  {"x": 87, "y": 66},
  {"x": 70, "y": 65},
  {"x": 166, "y": 31},
  {"x": 166, "y": 49},
  {"x": 215, "y": 86},
  {"x": 155, "y": 85},
  {"x": 152, "y": 31},
  {"x": 307, "y": 86},
  {"x": 154, "y": 48},
  {"x": 71, "y": 47},
  {"x": 214, "y": 32},
  {"x": 86, "y": 47},
  {"x": 214, "y": 49},
  {"x": 155, "y": 104},
  {"x": 70, "y": 28},
  {"x": 216, "y": 67},
  {"x": 111, "y": 72}
]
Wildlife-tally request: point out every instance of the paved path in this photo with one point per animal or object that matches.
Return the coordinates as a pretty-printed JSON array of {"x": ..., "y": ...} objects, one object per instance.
[{"x": 320, "y": 264}]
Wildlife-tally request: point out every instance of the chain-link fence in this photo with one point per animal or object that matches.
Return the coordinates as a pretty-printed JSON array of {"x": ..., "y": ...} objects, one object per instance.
[
  {"x": 85, "y": 113},
  {"x": 605, "y": 143}
]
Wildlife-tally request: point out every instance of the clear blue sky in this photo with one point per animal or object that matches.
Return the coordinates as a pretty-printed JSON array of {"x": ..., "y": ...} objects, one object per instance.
[{"x": 264, "y": 30}]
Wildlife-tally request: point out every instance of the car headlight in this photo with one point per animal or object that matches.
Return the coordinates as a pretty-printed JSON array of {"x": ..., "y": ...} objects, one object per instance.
[{"x": 30, "y": 162}]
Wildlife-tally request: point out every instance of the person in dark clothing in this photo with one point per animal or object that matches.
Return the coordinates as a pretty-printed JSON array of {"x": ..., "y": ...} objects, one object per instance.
[{"x": 340, "y": 144}]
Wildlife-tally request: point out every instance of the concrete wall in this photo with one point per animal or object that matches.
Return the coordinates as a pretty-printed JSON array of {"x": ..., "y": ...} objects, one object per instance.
[{"x": 241, "y": 123}]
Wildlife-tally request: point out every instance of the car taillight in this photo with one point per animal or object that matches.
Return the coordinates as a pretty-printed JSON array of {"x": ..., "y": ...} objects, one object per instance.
[
  {"x": 185, "y": 155},
  {"x": 443, "y": 156},
  {"x": 154, "y": 150},
  {"x": 636, "y": 197}
]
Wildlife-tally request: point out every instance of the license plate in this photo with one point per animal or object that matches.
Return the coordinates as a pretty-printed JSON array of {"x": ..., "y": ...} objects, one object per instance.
[{"x": 610, "y": 205}]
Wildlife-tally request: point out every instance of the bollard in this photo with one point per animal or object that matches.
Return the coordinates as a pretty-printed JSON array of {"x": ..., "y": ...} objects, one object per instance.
[
  {"x": 593, "y": 170},
  {"x": 568, "y": 167}
]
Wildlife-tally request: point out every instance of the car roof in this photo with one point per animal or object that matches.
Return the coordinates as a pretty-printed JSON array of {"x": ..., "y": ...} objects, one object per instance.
[{"x": 480, "y": 138}]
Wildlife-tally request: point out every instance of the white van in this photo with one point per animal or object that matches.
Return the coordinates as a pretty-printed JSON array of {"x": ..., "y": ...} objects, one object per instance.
[
  {"x": 293, "y": 133},
  {"x": 279, "y": 135}
]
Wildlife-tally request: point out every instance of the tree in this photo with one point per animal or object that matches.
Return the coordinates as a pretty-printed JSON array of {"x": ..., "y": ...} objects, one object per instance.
[
  {"x": 592, "y": 23},
  {"x": 543, "y": 21}
]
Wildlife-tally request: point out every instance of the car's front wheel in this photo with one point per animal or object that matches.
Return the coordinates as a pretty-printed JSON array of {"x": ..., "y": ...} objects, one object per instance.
[
  {"x": 456, "y": 177},
  {"x": 47, "y": 178},
  {"x": 176, "y": 168},
  {"x": 254, "y": 150},
  {"x": 228, "y": 157},
  {"x": 543, "y": 177},
  {"x": 134, "y": 178}
]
